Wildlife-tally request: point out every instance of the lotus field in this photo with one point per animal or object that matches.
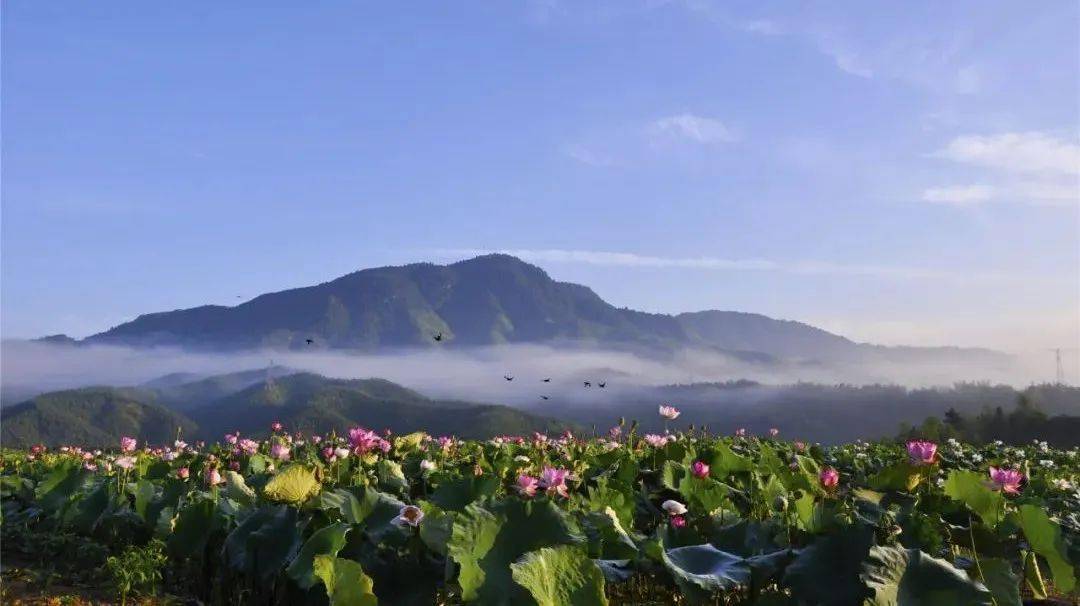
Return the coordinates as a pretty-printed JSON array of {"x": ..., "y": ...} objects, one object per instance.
[{"x": 622, "y": 518}]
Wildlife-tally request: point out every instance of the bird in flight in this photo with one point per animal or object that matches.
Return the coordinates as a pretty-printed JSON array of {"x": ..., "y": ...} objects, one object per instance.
[
  {"x": 588, "y": 384},
  {"x": 545, "y": 398},
  {"x": 547, "y": 380},
  {"x": 602, "y": 384},
  {"x": 310, "y": 341},
  {"x": 437, "y": 337},
  {"x": 508, "y": 377}
]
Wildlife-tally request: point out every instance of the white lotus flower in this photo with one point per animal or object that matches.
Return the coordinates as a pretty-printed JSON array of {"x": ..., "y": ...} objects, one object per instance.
[{"x": 673, "y": 508}]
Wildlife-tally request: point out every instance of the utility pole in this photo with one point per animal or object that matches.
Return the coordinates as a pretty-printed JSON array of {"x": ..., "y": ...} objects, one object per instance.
[{"x": 1059, "y": 375}]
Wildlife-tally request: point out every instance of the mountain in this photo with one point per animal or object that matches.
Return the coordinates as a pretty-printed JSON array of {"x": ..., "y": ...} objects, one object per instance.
[
  {"x": 313, "y": 403},
  {"x": 91, "y": 416},
  {"x": 184, "y": 392},
  {"x": 487, "y": 300},
  {"x": 249, "y": 401}
]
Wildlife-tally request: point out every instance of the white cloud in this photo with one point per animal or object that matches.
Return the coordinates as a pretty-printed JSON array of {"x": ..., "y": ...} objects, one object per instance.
[
  {"x": 761, "y": 26},
  {"x": 587, "y": 156},
  {"x": 1034, "y": 193},
  {"x": 698, "y": 129},
  {"x": 1030, "y": 152},
  {"x": 1022, "y": 167},
  {"x": 960, "y": 195}
]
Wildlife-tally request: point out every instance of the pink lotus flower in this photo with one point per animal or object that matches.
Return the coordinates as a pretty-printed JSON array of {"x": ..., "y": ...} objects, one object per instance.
[
  {"x": 279, "y": 451},
  {"x": 364, "y": 441},
  {"x": 128, "y": 444},
  {"x": 678, "y": 521},
  {"x": 741, "y": 432},
  {"x": 212, "y": 476},
  {"x": 183, "y": 473},
  {"x": 774, "y": 432},
  {"x": 125, "y": 462},
  {"x": 410, "y": 515},
  {"x": 328, "y": 454},
  {"x": 921, "y": 452},
  {"x": 615, "y": 432},
  {"x": 553, "y": 480},
  {"x": 829, "y": 477},
  {"x": 669, "y": 412},
  {"x": 655, "y": 440},
  {"x": 800, "y": 446},
  {"x": 234, "y": 465},
  {"x": 446, "y": 443},
  {"x": 527, "y": 485},
  {"x": 699, "y": 469},
  {"x": 276, "y": 426},
  {"x": 248, "y": 447},
  {"x": 89, "y": 466},
  {"x": 1007, "y": 480},
  {"x": 232, "y": 438}
]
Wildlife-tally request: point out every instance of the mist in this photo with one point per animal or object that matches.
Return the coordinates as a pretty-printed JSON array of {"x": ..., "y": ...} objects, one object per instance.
[{"x": 28, "y": 368}]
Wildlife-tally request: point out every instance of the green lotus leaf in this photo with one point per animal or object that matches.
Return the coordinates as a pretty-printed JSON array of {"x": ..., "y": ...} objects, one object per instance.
[
  {"x": 1044, "y": 536},
  {"x": 292, "y": 485},
  {"x": 325, "y": 541},
  {"x": 560, "y": 576},
  {"x": 703, "y": 570},
  {"x": 909, "y": 577},
  {"x": 971, "y": 489},
  {"x": 345, "y": 581}
]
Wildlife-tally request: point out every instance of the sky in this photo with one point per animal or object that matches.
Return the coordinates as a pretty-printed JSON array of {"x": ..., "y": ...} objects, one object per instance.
[{"x": 900, "y": 174}]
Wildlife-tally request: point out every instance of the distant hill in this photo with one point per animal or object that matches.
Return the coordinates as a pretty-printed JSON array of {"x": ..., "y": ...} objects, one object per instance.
[
  {"x": 487, "y": 300},
  {"x": 185, "y": 395},
  {"x": 314, "y": 403},
  {"x": 249, "y": 402},
  {"x": 91, "y": 416}
]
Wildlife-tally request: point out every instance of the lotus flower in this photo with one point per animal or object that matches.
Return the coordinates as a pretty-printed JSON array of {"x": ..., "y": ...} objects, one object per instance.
[
  {"x": 410, "y": 515},
  {"x": 125, "y": 462},
  {"x": 183, "y": 473},
  {"x": 774, "y": 432},
  {"x": 249, "y": 447},
  {"x": 678, "y": 521},
  {"x": 669, "y": 412},
  {"x": 673, "y": 508},
  {"x": 527, "y": 485},
  {"x": 128, "y": 444},
  {"x": 921, "y": 452},
  {"x": 655, "y": 440},
  {"x": 427, "y": 465},
  {"x": 232, "y": 438},
  {"x": 1008, "y": 480},
  {"x": 328, "y": 454},
  {"x": 553, "y": 480},
  {"x": 699, "y": 469},
  {"x": 276, "y": 426},
  {"x": 741, "y": 432},
  {"x": 280, "y": 451},
  {"x": 364, "y": 441},
  {"x": 212, "y": 476},
  {"x": 829, "y": 477}
]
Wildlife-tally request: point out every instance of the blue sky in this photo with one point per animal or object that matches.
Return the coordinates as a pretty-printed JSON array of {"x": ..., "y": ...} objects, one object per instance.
[{"x": 899, "y": 174}]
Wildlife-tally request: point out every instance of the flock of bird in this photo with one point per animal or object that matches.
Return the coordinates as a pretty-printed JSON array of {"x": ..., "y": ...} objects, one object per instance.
[
  {"x": 438, "y": 337},
  {"x": 587, "y": 384}
]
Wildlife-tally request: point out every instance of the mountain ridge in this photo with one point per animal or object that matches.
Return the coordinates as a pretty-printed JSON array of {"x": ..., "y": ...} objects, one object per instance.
[{"x": 487, "y": 300}]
